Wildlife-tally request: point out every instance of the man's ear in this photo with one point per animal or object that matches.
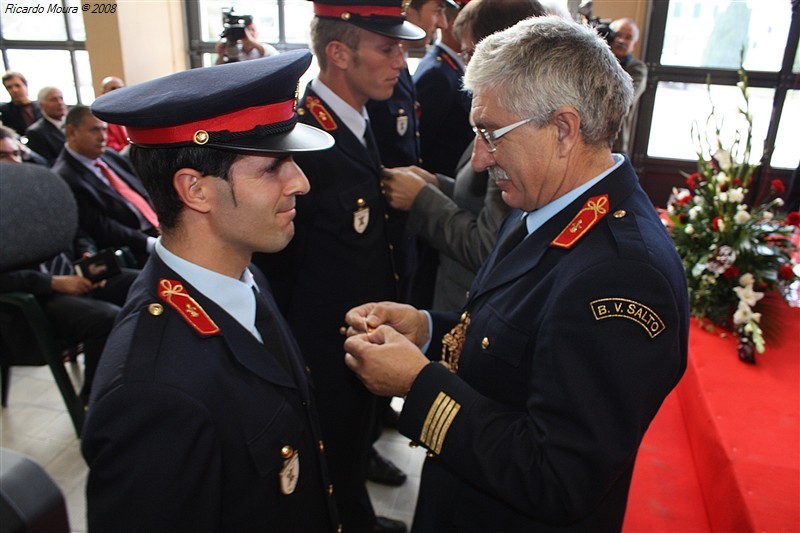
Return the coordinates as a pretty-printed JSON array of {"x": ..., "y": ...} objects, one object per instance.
[
  {"x": 339, "y": 54},
  {"x": 193, "y": 189},
  {"x": 567, "y": 121}
]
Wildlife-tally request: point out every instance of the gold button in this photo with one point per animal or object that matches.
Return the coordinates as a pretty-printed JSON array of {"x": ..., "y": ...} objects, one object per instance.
[
  {"x": 430, "y": 454},
  {"x": 396, "y": 276},
  {"x": 321, "y": 446},
  {"x": 620, "y": 214},
  {"x": 339, "y": 529},
  {"x": 386, "y": 216},
  {"x": 287, "y": 451},
  {"x": 361, "y": 202},
  {"x": 330, "y": 490},
  {"x": 343, "y": 330},
  {"x": 391, "y": 247},
  {"x": 308, "y": 369},
  {"x": 201, "y": 137},
  {"x": 401, "y": 111},
  {"x": 485, "y": 342},
  {"x": 155, "y": 309},
  {"x": 412, "y": 444},
  {"x": 346, "y": 16},
  {"x": 301, "y": 111}
]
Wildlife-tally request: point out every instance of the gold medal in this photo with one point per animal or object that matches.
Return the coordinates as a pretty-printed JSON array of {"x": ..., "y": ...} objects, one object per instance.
[{"x": 453, "y": 343}]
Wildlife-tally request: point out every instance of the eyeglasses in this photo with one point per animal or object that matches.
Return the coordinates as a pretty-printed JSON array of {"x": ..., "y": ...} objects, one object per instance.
[{"x": 491, "y": 137}]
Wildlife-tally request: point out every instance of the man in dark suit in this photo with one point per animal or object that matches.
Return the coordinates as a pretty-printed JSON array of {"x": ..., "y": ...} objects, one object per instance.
[
  {"x": 576, "y": 327},
  {"x": 342, "y": 253},
  {"x": 46, "y": 135},
  {"x": 20, "y": 112},
  {"x": 113, "y": 206},
  {"x": 202, "y": 416}
]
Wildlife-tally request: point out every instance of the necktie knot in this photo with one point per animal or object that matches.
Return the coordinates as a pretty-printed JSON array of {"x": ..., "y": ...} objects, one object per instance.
[{"x": 512, "y": 239}]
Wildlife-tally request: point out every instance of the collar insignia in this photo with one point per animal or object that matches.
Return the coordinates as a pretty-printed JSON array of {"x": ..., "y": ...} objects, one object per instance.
[
  {"x": 590, "y": 214},
  {"x": 175, "y": 295},
  {"x": 320, "y": 113}
]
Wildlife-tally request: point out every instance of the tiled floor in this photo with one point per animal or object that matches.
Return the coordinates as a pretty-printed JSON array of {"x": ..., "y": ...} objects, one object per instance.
[{"x": 36, "y": 424}]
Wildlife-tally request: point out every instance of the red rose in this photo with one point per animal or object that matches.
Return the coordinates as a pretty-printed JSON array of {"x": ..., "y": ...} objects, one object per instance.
[
  {"x": 731, "y": 272},
  {"x": 736, "y": 181},
  {"x": 715, "y": 223},
  {"x": 692, "y": 179},
  {"x": 793, "y": 218},
  {"x": 777, "y": 186},
  {"x": 786, "y": 272}
]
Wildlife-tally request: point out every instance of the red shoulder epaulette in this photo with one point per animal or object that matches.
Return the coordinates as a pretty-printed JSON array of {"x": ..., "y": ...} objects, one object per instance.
[
  {"x": 323, "y": 116},
  {"x": 449, "y": 60},
  {"x": 175, "y": 295},
  {"x": 590, "y": 214}
]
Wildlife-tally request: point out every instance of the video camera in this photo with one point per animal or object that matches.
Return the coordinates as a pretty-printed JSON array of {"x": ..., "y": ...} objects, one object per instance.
[
  {"x": 233, "y": 32},
  {"x": 602, "y": 26}
]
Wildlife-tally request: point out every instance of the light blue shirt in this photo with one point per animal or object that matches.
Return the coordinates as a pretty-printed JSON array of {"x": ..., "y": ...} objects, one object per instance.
[
  {"x": 355, "y": 120},
  {"x": 235, "y": 296}
]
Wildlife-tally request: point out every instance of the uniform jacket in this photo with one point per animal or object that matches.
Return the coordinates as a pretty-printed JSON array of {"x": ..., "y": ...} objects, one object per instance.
[
  {"x": 395, "y": 124},
  {"x": 187, "y": 432},
  {"x": 11, "y": 116},
  {"x": 462, "y": 226},
  {"x": 45, "y": 139},
  {"x": 567, "y": 358},
  {"x": 102, "y": 212},
  {"x": 444, "y": 127},
  {"x": 340, "y": 257}
]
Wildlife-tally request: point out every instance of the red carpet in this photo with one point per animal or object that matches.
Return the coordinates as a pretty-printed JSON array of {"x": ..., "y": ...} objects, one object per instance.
[{"x": 723, "y": 453}]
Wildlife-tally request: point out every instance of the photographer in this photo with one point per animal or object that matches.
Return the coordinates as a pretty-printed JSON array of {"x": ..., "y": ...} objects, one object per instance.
[{"x": 239, "y": 40}]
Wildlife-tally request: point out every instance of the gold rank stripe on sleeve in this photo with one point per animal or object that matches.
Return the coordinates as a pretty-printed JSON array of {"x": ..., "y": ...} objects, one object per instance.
[{"x": 440, "y": 416}]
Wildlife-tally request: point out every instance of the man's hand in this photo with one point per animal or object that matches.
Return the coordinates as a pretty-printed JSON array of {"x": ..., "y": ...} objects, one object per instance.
[
  {"x": 384, "y": 360},
  {"x": 402, "y": 184},
  {"x": 403, "y": 318},
  {"x": 73, "y": 285}
]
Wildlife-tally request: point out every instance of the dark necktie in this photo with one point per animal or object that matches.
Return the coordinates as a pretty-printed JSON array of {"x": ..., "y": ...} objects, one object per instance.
[
  {"x": 372, "y": 146},
  {"x": 267, "y": 326},
  {"x": 125, "y": 190},
  {"x": 514, "y": 237}
]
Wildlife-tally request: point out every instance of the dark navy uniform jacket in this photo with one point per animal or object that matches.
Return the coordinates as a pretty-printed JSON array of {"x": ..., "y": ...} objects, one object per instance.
[
  {"x": 187, "y": 432},
  {"x": 444, "y": 127},
  {"x": 396, "y": 125},
  {"x": 567, "y": 358},
  {"x": 340, "y": 257}
]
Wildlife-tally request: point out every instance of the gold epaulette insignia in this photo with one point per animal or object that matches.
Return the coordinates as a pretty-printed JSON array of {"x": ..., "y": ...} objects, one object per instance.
[
  {"x": 590, "y": 214},
  {"x": 453, "y": 343},
  {"x": 175, "y": 295},
  {"x": 322, "y": 115},
  {"x": 449, "y": 60},
  {"x": 440, "y": 417},
  {"x": 630, "y": 309}
]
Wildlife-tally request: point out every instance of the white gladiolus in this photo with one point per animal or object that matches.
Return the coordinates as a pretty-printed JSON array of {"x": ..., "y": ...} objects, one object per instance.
[
  {"x": 736, "y": 195},
  {"x": 768, "y": 215},
  {"x": 689, "y": 229},
  {"x": 741, "y": 217},
  {"x": 746, "y": 279},
  {"x": 748, "y": 295}
]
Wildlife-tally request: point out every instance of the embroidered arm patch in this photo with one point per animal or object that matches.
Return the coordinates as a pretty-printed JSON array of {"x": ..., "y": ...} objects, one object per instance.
[
  {"x": 630, "y": 309},
  {"x": 440, "y": 416}
]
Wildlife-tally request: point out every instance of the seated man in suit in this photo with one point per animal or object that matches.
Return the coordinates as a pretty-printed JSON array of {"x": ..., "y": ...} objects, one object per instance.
[
  {"x": 46, "y": 135},
  {"x": 113, "y": 206},
  {"x": 20, "y": 112}
]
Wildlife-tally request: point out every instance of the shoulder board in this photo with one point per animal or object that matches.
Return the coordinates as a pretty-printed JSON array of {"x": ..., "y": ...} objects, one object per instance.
[
  {"x": 449, "y": 60},
  {"x": 323, "y": 116},
  {"x": 590, "y": 214},
  {"x": 175, "y": 295}
]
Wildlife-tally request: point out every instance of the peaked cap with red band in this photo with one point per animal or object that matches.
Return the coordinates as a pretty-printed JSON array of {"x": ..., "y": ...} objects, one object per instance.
[
  {"x": 384, "y": 17},
  {"x": 246, "y": 107}
]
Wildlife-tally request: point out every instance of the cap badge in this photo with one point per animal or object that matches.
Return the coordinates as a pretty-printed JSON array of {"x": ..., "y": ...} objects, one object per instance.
[
  {"x": 322, "y": 115},
  {"x": 201, "y": 137},
  {"x": 590, "y": 214},
  {"x": 175, "y": 295},
  {"x": 404, "y": 7}
]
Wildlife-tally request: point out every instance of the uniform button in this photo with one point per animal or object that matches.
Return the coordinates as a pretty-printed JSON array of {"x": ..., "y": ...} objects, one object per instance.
[
  {"x": 343, "y": 330},
  {"x": 397, "y": 277},
  {"x": 330, "y": 490},
  {"x": 155, "y": 309},
  {"x": 430, "y": 455},
  {"x": 401, "y": 111},
  {"x": 417, "y": 134},
  {"x": 321, "y": 446},
  {"x": 287, "y": 451},
  {"x": 301, "y": 111},
  {"x": 485, "y": 342},
  {"x": 620, "y": 213},
  {"x": 412, "y": 444},
  {"x": 361, "y": 202},
  {"x": 308, "y": 369},
  {"x": 339, "y": 529},
  {"x": 386, "y": 216}
]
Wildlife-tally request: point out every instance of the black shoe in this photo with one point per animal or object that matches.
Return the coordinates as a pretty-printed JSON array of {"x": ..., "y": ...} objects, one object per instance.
[
  {"x": 383, "y": 471},
  {"x": 387, "y": 525}
]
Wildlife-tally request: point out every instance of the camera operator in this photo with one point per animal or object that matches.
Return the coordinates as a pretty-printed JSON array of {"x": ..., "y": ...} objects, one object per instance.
[{"x": 239, "y": 40}]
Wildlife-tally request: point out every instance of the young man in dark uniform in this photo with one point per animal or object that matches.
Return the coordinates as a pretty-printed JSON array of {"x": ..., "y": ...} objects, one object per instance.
[{"x": 202, "y": 416}]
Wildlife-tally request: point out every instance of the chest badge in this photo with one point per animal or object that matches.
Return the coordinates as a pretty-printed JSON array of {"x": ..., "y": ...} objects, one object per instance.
[
  {"x": 175, "y": 295},
  {"x": 290, "y": 471},
  {"x": 590, "y": 214},
  {"x": 361, "y": 216},
  {"x": 402, "y": 125}
]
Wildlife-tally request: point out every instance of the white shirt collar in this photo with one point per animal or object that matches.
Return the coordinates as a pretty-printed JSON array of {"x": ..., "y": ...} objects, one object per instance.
[
  {"x": 355, "y": 120},
  {"x": 235, "y": 296}
]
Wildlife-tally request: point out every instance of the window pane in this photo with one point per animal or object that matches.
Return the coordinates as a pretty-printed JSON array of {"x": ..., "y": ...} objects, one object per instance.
[
  {"x": 712, "y": 34},
  {"x": 84, "y": 77},
  {"x": 44, "y": 68},
  {"x": 298, "y": 17},
  {"x": 785, "y": 154},
  {"x": 264, "y": 13},
  {"x": 75, "y": 21},
  {"x": 33, "y": 26},
  {"x": 680, "y": 105}
]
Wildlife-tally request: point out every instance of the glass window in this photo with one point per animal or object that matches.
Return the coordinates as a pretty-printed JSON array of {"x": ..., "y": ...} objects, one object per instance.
[
  {"x": 719, "y": 29},
  {"x": 32, "y": 27},
  {"x": 681, "y": 106},
  {"x": 45, "y": 68},
  {"x": 785, "y": 154}
]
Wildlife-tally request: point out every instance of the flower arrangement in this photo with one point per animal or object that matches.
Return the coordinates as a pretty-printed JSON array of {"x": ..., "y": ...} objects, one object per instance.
[{"x": 733, "y": 253}]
